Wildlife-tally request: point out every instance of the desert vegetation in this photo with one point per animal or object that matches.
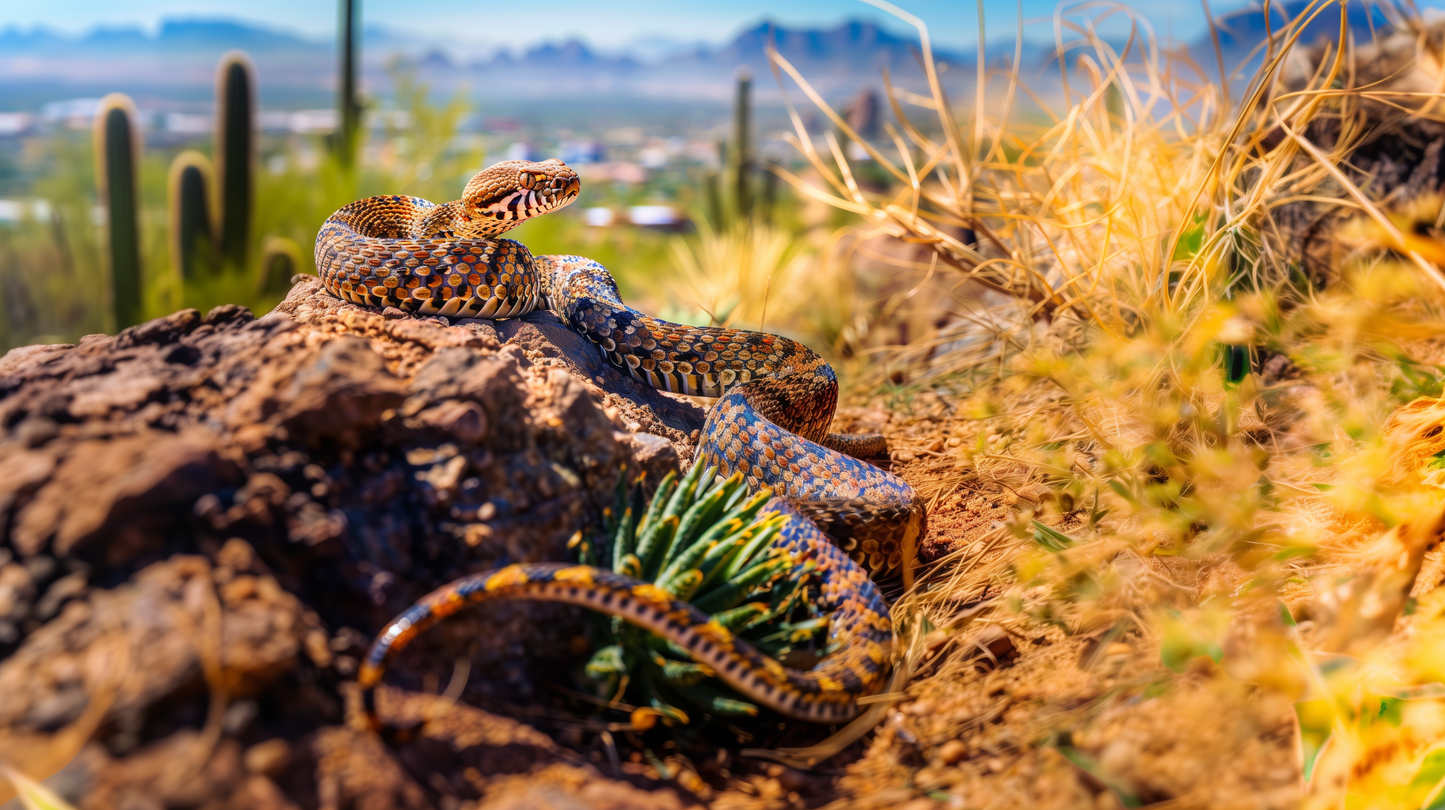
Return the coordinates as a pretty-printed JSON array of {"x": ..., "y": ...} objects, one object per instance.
[{"x": 1161, "y": 347}]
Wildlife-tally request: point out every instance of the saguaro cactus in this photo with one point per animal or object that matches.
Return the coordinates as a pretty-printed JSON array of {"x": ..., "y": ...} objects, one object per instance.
[
  {"x": 743, "y": 145},
  {"x": 192, "y": 232},
  {"x": 235, "y": 152},
  {"x": 348, "y": 108},
  {"x": 117, "y": 162},
  {"x": 735, "y": 177},
  {"x": 199, "y": 237},
  {"x": 280, "y": 260}
]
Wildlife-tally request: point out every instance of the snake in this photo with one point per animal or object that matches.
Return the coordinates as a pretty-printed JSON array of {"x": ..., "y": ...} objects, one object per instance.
[{"x": 774, "y": 404}]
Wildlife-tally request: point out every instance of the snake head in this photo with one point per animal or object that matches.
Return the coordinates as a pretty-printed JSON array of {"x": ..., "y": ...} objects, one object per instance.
[{"x": 509, "y": 193}]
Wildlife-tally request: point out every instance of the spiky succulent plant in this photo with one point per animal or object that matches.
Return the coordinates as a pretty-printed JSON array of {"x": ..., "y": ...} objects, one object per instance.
[{"x": 705, "y": 541}]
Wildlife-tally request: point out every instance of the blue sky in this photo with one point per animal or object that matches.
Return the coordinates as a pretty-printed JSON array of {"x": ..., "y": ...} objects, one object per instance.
[{"x": 469, "y": 24}]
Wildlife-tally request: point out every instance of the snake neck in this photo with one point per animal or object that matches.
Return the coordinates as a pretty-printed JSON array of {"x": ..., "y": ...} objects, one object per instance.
[
  {"x": 435, "y": 222},
  {"x": 457, "y": 220},
  {"x": 786, "y": 382}
]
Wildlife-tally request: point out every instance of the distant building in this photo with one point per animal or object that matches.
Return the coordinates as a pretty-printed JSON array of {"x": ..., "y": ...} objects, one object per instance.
[
  {"x": 15, "y": 123},
  {"x": 580, "y": 153},
  {"x": 76, "y": 113},
  {"x": 660, "y": 217},
  {"x": 274, "y": 120},
  {"x": 664, "y": 217},
  {"x": 616, "y": 172},
  {"x": 312, "y": 122},
  {"x": 521, "y": 150},
  {"x": 188, "y": 123}
]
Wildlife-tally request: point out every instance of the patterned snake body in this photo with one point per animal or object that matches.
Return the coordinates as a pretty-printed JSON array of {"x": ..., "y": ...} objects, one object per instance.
[
  {"x": 825, "y": 694},
  {"x": 777, "y": 399}
]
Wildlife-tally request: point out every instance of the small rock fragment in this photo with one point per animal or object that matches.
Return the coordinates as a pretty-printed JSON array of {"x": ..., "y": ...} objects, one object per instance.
[
  {"x": 268, "y": 758},
  {"x": 920, "y": 708},
  {"x": 996, "y": 647},
  {"x": 1036, "y": 493},
  {"x": 952, "y": 752}
]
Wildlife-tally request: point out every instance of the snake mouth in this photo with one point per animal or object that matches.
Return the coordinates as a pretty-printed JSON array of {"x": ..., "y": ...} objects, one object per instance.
[{"x": 520, "y": 205}]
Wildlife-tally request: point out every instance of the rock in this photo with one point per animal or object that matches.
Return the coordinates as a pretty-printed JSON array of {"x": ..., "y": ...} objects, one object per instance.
[
  {"x": 994, "y": 647},
  {"x": 655, "y": 455},
  {"x": 342, "y": 392},
  {"x": 544, "y": 337},
  {"x": 1035, "y": 493},
  {"x": 168, "y": 619},
  {"x": 211, "y": 494},
  {"x": 465, "y": 422},
  {"x": 133, "y": 487},
  {"x": 952, "y": 752},
  {"x": 269, "y": 757}
]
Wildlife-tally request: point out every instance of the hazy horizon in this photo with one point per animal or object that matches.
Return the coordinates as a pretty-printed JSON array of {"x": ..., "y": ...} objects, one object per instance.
[{"x": 646, "y": 24}]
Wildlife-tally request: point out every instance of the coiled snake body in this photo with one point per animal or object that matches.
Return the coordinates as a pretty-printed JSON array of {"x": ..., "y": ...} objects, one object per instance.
[{"x": 770, "y": 423}]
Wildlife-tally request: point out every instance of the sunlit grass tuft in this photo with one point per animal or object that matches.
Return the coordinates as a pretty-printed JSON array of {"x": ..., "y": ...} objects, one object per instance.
[{"x": 1222, "y": 402}]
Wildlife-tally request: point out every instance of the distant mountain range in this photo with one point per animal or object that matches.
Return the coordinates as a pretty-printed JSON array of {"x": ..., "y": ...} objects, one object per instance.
[
  {"x": 179, "y": 59},
  {"x": 836, "y": 60},
  {"x": 182, "y": 54}
]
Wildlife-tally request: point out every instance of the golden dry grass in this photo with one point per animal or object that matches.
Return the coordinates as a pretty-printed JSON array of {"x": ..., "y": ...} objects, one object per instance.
[{"x": 1220, "y": 592}]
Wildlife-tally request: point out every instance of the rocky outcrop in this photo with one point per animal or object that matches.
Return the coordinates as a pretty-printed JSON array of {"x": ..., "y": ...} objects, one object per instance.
[{"x": 206, "y": 517}]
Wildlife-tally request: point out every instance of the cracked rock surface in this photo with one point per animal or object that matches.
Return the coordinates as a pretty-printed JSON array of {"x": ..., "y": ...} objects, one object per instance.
[{"x": 205, "y": 518}]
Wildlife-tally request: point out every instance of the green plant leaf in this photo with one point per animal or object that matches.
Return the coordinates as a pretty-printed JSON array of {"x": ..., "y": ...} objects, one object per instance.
[{"x": 1051, "y": 538}]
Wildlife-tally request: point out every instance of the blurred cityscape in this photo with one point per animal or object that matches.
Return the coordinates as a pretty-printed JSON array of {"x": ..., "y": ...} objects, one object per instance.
[
  {"x": 637, "y": 128},
  {"x": 661, "y": 135}
]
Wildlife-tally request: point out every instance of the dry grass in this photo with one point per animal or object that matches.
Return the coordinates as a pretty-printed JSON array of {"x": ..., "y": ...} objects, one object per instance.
[{"x": 1204, "y": 578}]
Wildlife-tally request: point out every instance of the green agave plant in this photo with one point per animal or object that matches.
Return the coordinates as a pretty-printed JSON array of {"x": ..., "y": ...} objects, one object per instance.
[{"x": 704, "y": 541}]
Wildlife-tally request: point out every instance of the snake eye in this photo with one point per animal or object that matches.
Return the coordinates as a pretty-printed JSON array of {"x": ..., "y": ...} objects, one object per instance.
[{"x": 525, "y": 181}]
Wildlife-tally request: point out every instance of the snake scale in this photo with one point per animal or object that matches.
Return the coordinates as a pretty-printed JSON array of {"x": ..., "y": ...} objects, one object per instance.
[{"x": 775, "y": 404}]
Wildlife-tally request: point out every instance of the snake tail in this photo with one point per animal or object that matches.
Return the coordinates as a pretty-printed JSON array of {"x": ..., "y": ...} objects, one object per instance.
[
  {"x": 859, "y": 624},
  {"x": 796, "y": 694}
]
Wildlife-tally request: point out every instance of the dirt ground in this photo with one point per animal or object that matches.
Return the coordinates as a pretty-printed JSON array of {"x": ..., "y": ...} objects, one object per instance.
[
  {"x": 207, "y": 518},
  {"x": 1005, "y": 711}
]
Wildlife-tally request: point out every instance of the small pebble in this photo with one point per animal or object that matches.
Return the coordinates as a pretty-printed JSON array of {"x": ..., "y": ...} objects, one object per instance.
[
  {"x": 644, "y": 718},
  {"x": 792, "y": 780},
  {"x": 269, "y": 757},
  {"x": 1036, "y": 492},
  {"x": 920, "y": 708},
  {"x": 904, "y": 456},
  {"x": 952, "y": 752}
]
